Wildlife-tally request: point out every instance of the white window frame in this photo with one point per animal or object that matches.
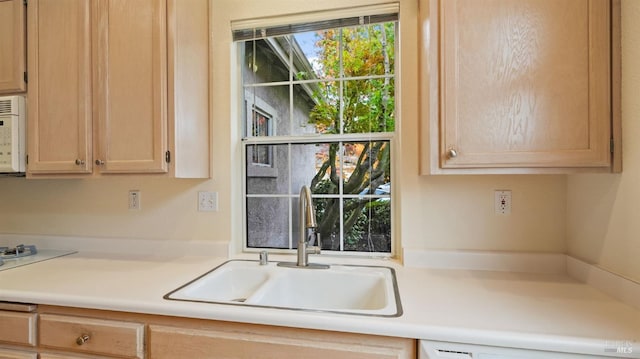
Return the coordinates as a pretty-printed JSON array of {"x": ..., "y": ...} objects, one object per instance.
[{"x": 307, "y": 139}]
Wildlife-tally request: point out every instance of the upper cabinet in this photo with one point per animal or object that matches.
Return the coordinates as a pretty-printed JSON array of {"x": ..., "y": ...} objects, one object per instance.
[
  {"x": 12, "y": 46},
  {"x": 131, "y": 85},
  {"x": 519, "y": 86},
  {"x": 114, "y": 89},
  {"x": 59, "y": 106}
]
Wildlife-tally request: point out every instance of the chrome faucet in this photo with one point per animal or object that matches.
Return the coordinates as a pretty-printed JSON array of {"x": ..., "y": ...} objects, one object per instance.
[
  {"x": 308, "y": 233},
  {"x": 308, "y": 226}
]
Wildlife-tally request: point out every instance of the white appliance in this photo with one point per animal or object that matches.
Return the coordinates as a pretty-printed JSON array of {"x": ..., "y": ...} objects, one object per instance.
[
  {"x": 13, "y": 125},
  {"x": 445, "y": 350}
]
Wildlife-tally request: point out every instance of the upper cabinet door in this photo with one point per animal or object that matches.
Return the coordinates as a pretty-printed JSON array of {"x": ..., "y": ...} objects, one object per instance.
[
  {"x": 12, "y": 46},
  {"x": 518, "y": 83},
  {"x": 59, "y": 98},
  {"x": 131, "y": 86}
]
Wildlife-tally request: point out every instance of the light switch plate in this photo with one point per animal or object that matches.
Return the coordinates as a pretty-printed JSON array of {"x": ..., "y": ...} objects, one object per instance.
[{"x": 207, "y": 201}]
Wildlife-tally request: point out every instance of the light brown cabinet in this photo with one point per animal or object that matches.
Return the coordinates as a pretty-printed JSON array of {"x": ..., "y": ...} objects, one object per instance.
[
  {"x": 131, "y": 85},
  {"x": 13, "y": 46},
  {"x": 92, "y": 336},
  {"x": 17, "y": 328},
  {"x": 67, "y": 356},
  {"x": 17, "y": 332},
  {"x": 59, "y": 126},
  {"x": 229, "y": 340},
  {"x": 518, "y": 86},
  {"x": 17, "y": 354},
  {"x": 127, "y": 335},
  {"x": 109, "y": 80}
]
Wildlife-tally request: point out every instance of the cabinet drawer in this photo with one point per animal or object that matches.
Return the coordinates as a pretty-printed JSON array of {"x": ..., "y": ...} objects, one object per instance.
[
  {"x": 18, "y": 328},
  {"x": 67, "y": 356},
  {"x": 232, "y": 341},
  {"x": 94, "y": 336},
  {"x": 16, "y": 354}
]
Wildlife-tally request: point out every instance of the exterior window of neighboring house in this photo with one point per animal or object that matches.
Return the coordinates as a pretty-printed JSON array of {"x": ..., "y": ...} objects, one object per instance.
[
  {"x": 319, "y": 110},
  {"x": 261, "y": 162},
  {"x": 261, "y": 126}
]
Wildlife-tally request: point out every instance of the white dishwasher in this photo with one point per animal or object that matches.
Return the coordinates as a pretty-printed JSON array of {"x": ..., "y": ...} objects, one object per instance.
[{"x": 446, "y": 350}]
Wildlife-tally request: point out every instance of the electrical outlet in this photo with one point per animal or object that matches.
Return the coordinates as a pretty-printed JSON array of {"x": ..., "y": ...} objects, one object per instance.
[
  {"x": 207, "y": 201},
  {"x": 503, "y": 202},
  {"x": 134, "y": 200}
]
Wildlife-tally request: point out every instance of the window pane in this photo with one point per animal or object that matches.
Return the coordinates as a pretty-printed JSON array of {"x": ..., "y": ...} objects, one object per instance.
[
  {"x": 266, "y": 60},
  {"x": 320, "y": 50},
  {"x": 312, "y": 166},
  {"x": 367, "y": 225},
  {"x": 307, "y": 52},
  {"x": 366, "y": 166},
  {"x": 304, "y": 102},
  {"x": 368, "y": 50},
  {"x": 328, "y": 217},
  {"x": 261, "y": 123},
  {"x": 271, "y": 174},
  {"x": 271, "y": 104},
  {"x": 369, "y": 106},
  {"x": 267, "y": 222},
  {"x": 325, "y": 113}
]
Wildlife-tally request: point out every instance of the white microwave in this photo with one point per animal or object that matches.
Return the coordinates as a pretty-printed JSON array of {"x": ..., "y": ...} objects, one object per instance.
[{"x": 13, "y": 124}]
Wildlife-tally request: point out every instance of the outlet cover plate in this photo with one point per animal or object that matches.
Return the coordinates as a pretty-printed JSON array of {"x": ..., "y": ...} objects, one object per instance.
[
  {"x": 503, "y": 202},
  {"x": 207, "y": 201}
]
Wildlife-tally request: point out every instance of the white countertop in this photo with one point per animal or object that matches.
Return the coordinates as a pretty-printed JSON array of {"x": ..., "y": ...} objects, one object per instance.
[{"x": 532, "y": 311}]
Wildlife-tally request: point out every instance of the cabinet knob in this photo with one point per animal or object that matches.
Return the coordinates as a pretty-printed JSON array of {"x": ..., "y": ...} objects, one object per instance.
[
  {"x": 79, "y": 162},
  {"x": 99, "y": 162},
  {"x": 82, "y": 339},
  {"x": 452, "y": 153}
]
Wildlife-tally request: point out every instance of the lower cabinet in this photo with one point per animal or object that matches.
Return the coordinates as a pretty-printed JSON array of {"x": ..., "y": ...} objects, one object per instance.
[
  {"x": 92, "y": 336},
  {"x": 231, "y": 340},
  {"x": 74, "y": 333},
  {"x": 18, "y": 333},
  {"x": 17, "y": 354},
  {"x": 17, "y": 328},
  {"x": 60, "y": 356}
]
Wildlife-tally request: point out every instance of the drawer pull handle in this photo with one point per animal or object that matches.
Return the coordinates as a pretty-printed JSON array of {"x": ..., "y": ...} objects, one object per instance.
[{"x": 82, "y": 339}]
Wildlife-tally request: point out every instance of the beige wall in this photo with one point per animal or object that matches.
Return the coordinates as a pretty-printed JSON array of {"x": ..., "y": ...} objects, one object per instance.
[
  {"x": 604, "y": 210},
  {"x": 449, "y": 212}
]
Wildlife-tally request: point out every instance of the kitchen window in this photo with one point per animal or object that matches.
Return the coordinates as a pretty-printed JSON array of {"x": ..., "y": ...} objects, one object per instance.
[{"x": 319, "y": 110}]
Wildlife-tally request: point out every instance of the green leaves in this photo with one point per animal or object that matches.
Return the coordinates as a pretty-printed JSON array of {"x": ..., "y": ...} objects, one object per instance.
[
  {"x": 349, "y": 58},
  {"x": 356, "y": 94}
]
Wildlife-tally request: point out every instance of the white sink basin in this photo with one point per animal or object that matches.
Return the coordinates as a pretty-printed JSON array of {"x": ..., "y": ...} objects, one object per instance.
[
  {"x": 226, "y": 283},
  {"x": 362, "y": 290}
]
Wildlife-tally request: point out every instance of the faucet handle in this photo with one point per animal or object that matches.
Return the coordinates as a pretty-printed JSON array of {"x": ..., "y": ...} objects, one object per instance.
[
  {"x": 314, "y": 237},
  {"x": 311, "y": 249}
]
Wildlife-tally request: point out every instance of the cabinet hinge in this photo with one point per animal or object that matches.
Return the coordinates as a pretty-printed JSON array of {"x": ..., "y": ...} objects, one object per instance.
[
  {"x": 26, "y": 78},
  {"x": 611, "y": 145},
  {"x": 167, "y": 156},
  {"x": 24, "y": 2}
]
